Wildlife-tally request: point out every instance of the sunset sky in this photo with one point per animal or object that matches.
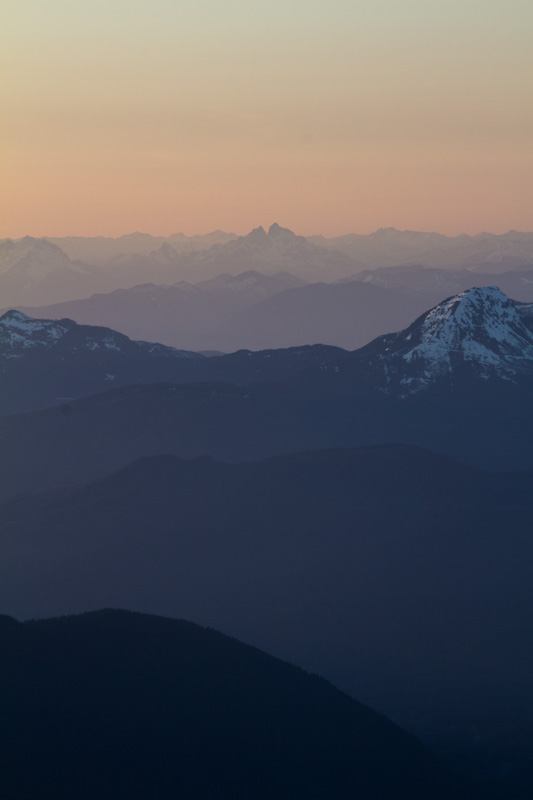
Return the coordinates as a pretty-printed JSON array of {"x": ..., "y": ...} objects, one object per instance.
[{"x": 327, "y": 117}]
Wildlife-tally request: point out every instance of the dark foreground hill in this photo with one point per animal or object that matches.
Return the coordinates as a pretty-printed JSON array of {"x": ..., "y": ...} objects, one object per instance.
[
  {"x": 403, "y": 577},
  {"x": 124, "y": 706}
]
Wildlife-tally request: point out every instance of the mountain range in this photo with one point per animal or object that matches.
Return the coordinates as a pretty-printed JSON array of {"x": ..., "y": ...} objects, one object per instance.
[
  {"x": 250, "y": 310},
  {"x": 99, "y": 250},
  {"x": 431, "y": 285},
  {"x": 401, "y": 576},
  {"x": 43, "y": 271},
  {"x": 38, "y": 272},
  {"x": 282, "y": 496},
  {"x": 458, "y": 381},
  {"x": 389, "y": 247}
]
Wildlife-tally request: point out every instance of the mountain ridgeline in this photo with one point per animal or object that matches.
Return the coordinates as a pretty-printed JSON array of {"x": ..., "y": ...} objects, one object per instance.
[
  {"x": 361, "y": 511},
  {"x": 467, "y": 363},
  {"x": 47, "y": 270},
  {"x": 141, "y": 706}
]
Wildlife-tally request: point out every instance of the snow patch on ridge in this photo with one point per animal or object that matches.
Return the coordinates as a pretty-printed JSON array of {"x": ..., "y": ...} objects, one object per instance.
[{"x": 16, "y": 329}]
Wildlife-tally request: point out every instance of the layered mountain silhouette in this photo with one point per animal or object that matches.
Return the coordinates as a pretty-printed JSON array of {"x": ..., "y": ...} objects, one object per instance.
[
  {"x": 389, "y": 247},
  {"x": 466, "y": 365},
  {"x": 35, "y": 271},
  {"x": 100, "y": 250},
  {"x": 123, "y": 705},
  {"x": 401, "y": 576},
  {"x": 431, "y": 285},
  {"x": 44, "y": 271},
  {"x": 190, "y": 315},
  {"x": 344, "y": 315},
  {"x": 275, "y": 250}
]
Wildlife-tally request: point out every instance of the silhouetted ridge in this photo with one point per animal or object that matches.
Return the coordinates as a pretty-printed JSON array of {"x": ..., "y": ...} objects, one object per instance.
[{"x": 127, "y": 706}]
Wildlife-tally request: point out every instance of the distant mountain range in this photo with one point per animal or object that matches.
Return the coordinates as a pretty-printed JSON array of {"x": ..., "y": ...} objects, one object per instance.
[
  {"x": 388, "y": 247},
  {"x": 43, "y": 271},
  {"x": 124, "y": 705},
  {"x": 431, "y": 285},
  {"x": 38, "y": 272},
  {"x": 99, "y": 250},
  {"x": 250, "y": 310}
]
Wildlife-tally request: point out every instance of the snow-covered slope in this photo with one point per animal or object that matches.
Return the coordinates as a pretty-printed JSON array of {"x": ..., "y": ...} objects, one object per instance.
[
  {"x": 21, "y": 335},
  {"x": 479, "y": 332}
]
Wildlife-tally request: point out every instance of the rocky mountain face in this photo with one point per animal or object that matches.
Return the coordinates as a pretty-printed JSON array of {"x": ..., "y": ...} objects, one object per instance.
[{"x": 478, "y": 333}]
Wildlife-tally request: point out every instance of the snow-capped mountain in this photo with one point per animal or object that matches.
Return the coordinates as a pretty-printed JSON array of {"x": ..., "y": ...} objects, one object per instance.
[
  {"x": 478, "y": 333},
  {"x": 21, "y": 335},
  {"x": 43, "y": 362}
]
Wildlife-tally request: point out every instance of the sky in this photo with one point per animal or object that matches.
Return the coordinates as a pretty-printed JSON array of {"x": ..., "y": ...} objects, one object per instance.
[{"x": 327, "y": 117}]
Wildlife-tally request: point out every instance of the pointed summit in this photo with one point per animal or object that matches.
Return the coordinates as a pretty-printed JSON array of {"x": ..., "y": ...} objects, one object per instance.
[
  {"x": 276, "y": 230},
  {"x": 481, "y": 323},
  {"x": 257, "y": 235}
]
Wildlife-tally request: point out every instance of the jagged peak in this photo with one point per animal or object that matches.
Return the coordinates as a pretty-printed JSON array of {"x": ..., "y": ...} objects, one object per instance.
[
  {"x": 256, "y": 234},
  {"x": 277, "y": 230}
]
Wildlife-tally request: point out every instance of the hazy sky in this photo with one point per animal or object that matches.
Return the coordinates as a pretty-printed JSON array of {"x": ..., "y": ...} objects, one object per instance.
[{"x": 327, "y": 117}]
